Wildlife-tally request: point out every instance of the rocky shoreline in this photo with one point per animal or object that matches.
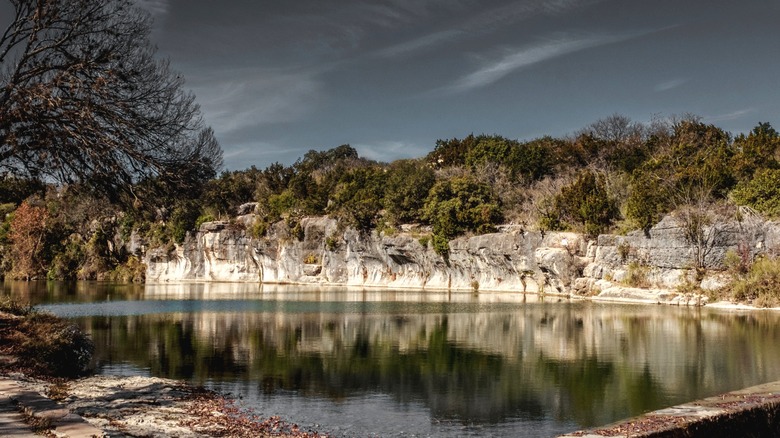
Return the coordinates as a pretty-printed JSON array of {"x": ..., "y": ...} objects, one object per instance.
[
  {"x": 134, "y": 406},
  {"x": 656, "y": 266}
]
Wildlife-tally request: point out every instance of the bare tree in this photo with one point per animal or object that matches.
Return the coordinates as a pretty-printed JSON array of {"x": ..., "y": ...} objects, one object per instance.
[
  {"x": 83, "y": 100},
  {"x": 617, "y": 128},
  {"x": 702, "y": 222}
]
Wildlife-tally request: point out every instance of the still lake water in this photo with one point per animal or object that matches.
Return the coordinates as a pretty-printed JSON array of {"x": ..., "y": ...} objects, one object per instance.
[{"x": 419, "y": 363}]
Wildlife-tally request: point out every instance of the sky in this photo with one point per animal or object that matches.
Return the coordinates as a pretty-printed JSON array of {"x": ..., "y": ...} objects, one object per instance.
[{"x": 278, "y": 78}]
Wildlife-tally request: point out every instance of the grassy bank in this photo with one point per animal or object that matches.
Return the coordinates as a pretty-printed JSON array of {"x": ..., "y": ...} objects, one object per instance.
[{"x": 40, "y": 344}]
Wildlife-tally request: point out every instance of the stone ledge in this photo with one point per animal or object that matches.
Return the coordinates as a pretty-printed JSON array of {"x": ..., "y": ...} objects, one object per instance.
[
  {"x": 753, "y": 411},
  {"x": 64, "y": 424}
]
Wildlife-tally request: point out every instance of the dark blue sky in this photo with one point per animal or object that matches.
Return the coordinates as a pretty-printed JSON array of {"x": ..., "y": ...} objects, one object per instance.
[{"x": 277, "y": 78}]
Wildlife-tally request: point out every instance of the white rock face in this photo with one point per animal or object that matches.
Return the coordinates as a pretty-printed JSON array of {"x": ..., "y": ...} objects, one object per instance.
[{"x": 511, "y": 259}]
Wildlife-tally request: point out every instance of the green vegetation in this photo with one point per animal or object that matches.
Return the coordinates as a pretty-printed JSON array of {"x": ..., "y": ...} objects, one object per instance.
[
  {"x": 126, "y": 164},
  {"x": 762, "y": 192},
  {"x": 614, "y": 175}
]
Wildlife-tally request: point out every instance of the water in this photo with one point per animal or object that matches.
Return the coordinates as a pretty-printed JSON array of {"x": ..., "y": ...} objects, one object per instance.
[{"x": 419, "y": 363}]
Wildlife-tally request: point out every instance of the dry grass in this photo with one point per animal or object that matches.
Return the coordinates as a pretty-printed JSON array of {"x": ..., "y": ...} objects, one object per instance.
[
  {"x": 760, "y": 284},
  {"x": 215, "y": 415},
  {"x": 42, "y": 344}
]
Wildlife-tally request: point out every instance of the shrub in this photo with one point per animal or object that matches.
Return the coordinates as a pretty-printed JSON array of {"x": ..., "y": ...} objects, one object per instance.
[
  {"x": 282, "y": 203},
  {"x": 183, "y": 219},
  {"x": 259, "y": 228},
  {"x": 408, "y": 183},
  {"x": 647, "y": 201},
  {"x": 332, "y": 242},
  {"x": 738, "y": 263},
  {"x": 202, "y": 219},
  {"x": 132, "y": 271},
  {"x": 461, "y": 204},
  {"x": 586, "y": 202},
  {"x": 441, "y": 246},
  {"x": 28, "y": 236},
  {"x": 43, "y": 343},
  {"x": 636, "y": 275},
  {"x": 760, "y": 284},
  {"x": 297, "y": 231},
  {"x": 762, "y": 192},
  {"x": 624, "y": 249},
  {"x": 358, "y": 196},
  {"x": 68, "y": 261}
]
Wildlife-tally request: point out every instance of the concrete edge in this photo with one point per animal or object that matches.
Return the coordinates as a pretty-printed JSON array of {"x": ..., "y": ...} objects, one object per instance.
[{"x": 753, "y": 411}]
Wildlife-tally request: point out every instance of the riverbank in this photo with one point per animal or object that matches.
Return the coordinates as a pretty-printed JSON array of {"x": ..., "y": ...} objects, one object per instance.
[
  {"x": 40, "y": 355},
  {"x": 134, "y": 406}
]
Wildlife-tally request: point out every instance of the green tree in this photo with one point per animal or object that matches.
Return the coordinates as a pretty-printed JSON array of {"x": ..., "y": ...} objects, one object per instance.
[
  {"x": 223, "y": 195},
  {"x": 700, "y": 155},
  {"x": 461, "y": 204},
  {"x": 531, "y": 161},
  {"x": 317, "y": 174},
  {"x": 762, "y": 192},
  {"x": 448, "y": 153},
  {"x": 407, "y": 186},
  {"x": 648, "y": 200},
  {"x": 758, "y": 150},
  {"x": 489, "y": 149},
  {"x": 587, "y": 202},
  {"x": 695, "y": 158},
  {"x": 358, "y": 196}
]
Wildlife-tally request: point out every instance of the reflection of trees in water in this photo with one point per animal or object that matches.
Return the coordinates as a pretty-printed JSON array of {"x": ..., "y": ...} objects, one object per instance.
[
  {"x": 37, "y": 292},
  {"x": 593, "y": 363}
]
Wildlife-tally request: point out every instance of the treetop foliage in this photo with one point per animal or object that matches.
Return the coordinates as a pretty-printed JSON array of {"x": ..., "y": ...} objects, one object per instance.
[{"x": 614, "y": 174}]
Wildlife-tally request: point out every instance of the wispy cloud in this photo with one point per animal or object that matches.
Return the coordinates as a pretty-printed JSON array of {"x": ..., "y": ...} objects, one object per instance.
[
  {"x": 158, "y": 8},
  {"x": 388, "y": 150},
  {"x": 734, "y": 115},
  {"x": 523, "y": 10},
  {"x": 242, "y": 152},
  {"x": 494, "y": 70},
  {"x": 235, "y": 99},
  {"x": 669, "y": 85},
  {"x": 430, "y": 40},
  {"x": 487, "y": 21}
]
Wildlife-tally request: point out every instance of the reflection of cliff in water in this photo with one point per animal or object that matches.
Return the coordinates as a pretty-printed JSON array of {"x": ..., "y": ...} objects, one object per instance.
[{"x": 600, "y": 362}]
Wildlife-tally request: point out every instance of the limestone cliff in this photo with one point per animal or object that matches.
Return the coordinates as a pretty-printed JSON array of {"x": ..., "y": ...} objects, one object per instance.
[{"x": 512, "y": 259}]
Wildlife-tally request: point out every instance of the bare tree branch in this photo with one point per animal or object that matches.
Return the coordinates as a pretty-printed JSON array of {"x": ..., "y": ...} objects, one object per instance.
[{"x": 84, "y": 100}]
